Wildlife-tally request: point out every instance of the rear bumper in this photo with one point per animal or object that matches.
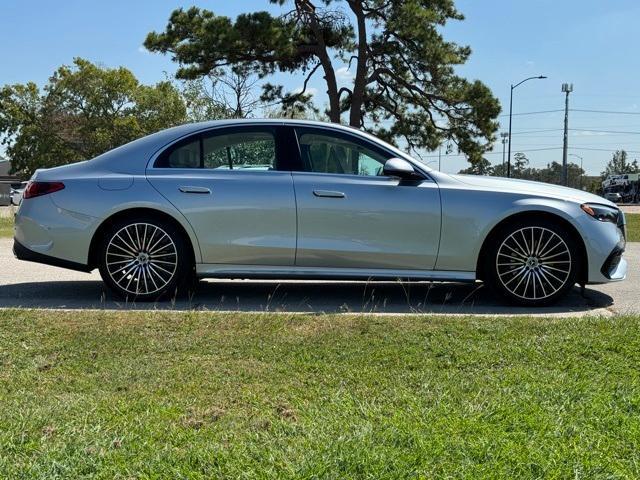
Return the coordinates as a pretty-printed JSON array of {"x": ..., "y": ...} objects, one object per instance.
[{"x": 23, "y": 253}]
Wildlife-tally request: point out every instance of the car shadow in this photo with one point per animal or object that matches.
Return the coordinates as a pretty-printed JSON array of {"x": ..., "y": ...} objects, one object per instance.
[{"x": 298, "y": 296}]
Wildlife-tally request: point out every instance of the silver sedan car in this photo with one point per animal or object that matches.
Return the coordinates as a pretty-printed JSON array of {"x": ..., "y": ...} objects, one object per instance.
[{"x": 309, "y": 200}]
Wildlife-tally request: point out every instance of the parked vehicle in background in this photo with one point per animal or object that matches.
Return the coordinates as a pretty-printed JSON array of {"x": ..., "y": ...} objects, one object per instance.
[
  {"x": 297, "y": 199},
  {"x": 624, "y": 188},
  {"x": 613, "y": 197},
  {"x": 16, "y": 192}
]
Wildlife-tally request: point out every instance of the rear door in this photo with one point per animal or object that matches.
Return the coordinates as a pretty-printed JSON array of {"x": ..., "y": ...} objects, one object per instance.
[
  {"x": 228, "y": 184},
  {"x": 352, "y": 216}
]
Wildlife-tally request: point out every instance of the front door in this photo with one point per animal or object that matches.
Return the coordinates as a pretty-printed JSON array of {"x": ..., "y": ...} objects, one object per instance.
[
  {"x": 227, "y": 184},
  {"x": 351, "y": 216}
]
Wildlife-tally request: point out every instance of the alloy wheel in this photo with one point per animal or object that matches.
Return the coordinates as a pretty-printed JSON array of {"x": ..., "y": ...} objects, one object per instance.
[
  {"x": 141, "y": 258},
  {"x": 533, "y": 263}
]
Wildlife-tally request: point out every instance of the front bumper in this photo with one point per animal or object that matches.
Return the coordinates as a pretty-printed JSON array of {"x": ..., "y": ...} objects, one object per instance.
[{"x": 606, "y": 243}]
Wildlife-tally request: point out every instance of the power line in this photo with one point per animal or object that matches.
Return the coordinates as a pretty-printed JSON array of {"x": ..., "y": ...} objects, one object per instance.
[
  {"x": 603, "y": 131},
  {"x": 605, "y": 149},
  {"x": 531, "y": 113},
  {"x": 604, "y": 111},
  {"x": 494, "y": 153}
]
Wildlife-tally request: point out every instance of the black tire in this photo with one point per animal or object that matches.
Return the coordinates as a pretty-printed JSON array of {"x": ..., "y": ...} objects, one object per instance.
[
  {"x": 139, "y": 268},
  {"x": 531, "y": 276}
]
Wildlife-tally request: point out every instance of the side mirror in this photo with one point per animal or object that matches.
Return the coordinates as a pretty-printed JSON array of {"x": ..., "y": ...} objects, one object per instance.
[{"x": 397, "y": 167}]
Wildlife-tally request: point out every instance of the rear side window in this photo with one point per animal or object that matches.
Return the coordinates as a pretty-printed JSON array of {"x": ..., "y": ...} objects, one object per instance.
[
  {"x": 225, "y": 149},
  {"x": 185, "y": 156},
  {"x": 254, "y": 150}
]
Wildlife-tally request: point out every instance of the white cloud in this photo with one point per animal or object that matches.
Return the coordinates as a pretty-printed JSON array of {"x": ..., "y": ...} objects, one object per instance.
[
  {"x": 343, "y": 73},
  {"x": 530, "y": 63},
  {"x": 141, "y": 49}
]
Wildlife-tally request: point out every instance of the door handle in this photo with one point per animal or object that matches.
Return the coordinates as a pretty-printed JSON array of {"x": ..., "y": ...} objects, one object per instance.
[
  {"x": 189, "y": 189},
  {"x": 328, "y": 194}
]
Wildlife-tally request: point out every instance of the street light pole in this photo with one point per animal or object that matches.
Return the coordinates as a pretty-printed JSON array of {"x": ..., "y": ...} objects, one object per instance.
[{"x": 513, "y": 87}]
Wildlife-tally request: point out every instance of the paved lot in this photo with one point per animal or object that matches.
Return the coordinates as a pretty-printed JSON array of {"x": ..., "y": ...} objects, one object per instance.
[
  {"x": 630, "y": 208},
  {"x": 24, "y": 284}
]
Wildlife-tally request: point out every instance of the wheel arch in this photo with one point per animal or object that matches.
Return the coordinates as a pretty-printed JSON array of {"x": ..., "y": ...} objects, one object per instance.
[
  {"x": 151, "y": 213},
  {"x": 529, "y": 215}
]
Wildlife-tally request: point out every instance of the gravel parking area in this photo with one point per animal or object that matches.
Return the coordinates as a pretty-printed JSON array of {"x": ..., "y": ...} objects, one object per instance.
[
  {"x": 24, "y": 284},
  {"x": 630, "y": 208}
]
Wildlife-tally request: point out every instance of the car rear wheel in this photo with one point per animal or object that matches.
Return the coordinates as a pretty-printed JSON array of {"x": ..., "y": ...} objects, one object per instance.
[
  {"x": 532, "y": 264},
  {"x": 145, "y": 259}
]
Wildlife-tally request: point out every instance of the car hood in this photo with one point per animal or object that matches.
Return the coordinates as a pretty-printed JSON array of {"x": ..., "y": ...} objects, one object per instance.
[{"x": 539, "y": 189}]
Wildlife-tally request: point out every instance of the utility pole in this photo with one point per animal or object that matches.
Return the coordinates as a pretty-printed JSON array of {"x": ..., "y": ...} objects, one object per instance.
[{"x": 566, "y": 89}]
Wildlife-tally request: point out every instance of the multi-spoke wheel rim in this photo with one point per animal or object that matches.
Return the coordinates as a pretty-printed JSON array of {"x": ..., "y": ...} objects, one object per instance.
[
  {"x": 533, "y": 263},
  {"x": 141, "y": 258}
]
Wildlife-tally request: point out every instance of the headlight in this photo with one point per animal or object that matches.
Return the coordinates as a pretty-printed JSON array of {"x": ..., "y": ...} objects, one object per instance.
[{"x": 601, "y": 212}]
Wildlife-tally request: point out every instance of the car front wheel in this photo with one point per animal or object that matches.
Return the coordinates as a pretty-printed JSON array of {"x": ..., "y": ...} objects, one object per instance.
[
  {"x": 144, "y": 259},
  {"x": 532, "y": 264}
]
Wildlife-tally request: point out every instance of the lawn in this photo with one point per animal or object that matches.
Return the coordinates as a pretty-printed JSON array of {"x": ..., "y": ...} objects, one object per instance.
[
  {"x": 633, "y": 227},
  {"x": 198, "y": 395},
  {"x": 6, "y": 227}
]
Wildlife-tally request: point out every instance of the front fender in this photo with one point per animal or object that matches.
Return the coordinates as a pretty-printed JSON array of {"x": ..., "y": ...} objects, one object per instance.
[{"x": 469, "y": 216}]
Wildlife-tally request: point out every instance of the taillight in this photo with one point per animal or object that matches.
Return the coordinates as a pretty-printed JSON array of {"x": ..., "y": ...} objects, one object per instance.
[{"x": 36, "y": 189}]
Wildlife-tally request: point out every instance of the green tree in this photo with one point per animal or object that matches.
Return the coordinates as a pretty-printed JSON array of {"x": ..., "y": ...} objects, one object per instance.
[
  {"x": 619, "y": 164},
  {"x": 519, "y": 167},
  {"x": 482, "y": 167},
  {"x": 83, "y": 111},
  {"x": 404, "y": 87},
  {"x": 552, "y": 173},
  {"x": 499, "y": 170}
]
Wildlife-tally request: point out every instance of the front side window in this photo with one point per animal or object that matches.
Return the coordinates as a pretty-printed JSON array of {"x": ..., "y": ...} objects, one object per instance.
[
  {"x": 326, "y": 153},
  {"x": 238, "y": 149}
]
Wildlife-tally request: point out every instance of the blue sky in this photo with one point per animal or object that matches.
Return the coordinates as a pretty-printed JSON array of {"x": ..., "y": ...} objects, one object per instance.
[{"x": 590, "y": 43}]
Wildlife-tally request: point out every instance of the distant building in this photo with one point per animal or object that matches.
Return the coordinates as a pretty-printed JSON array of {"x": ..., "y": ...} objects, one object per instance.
[{"x": 5, "y": 181}]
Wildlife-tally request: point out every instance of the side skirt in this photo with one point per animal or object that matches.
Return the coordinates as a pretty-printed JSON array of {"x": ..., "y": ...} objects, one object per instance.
[{"x": 267, "y": 272}]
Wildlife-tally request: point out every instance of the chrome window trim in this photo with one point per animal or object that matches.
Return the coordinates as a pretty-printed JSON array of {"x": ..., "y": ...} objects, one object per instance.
[{"x": 151, "y": 162}]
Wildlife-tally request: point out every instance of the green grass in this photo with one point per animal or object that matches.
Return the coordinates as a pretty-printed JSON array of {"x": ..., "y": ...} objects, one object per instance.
[
  {"x": 6, "y": 227},
  {"x": 188, "y": 395},
  {"x": 633, "y": 227}
]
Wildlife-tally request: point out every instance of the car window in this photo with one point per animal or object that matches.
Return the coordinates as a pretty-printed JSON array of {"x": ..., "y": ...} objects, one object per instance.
[
  {"x": 241, "y": 151},
  {"x": 326, "y": 153},
  {"x": 185, "y": 156},
  {"x": 248, "y": 149}
]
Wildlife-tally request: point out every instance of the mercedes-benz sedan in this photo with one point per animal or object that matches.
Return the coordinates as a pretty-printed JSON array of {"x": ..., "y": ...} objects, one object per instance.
[{"x": 308, "y": 200}]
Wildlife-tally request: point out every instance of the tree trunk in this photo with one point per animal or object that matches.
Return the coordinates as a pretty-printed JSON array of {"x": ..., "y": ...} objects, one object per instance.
[
  {"x": 359, "y": 84},
  {"x": 307, "y": 8}
]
